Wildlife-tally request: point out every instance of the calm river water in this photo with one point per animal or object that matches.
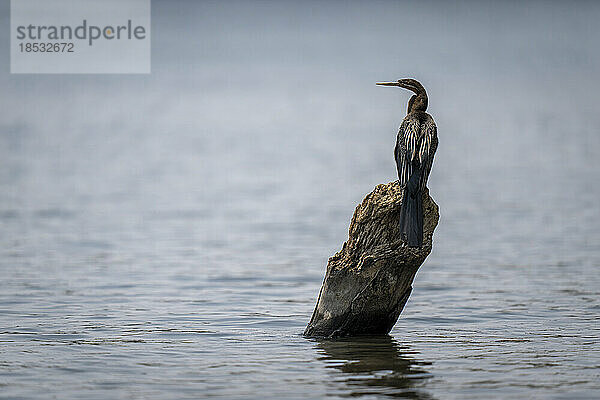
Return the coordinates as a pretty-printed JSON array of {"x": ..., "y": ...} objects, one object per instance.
[{"x": 165, "y": 236}]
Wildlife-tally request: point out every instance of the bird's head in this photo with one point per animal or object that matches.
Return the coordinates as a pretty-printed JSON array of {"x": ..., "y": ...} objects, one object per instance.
[
  {"x": 408, "y": 83},
  {"x": 418, "y": 102}
]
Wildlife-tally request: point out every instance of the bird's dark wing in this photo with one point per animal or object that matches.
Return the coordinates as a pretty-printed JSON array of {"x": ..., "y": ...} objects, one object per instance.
[
  {"x": 407, "y": 147},
  {"x": 427, "y": 148}
]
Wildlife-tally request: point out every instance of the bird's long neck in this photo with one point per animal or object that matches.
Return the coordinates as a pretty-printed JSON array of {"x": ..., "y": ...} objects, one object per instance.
[
  {"x": 418, "y": 102},
  {"x": 410, "y": 103}
]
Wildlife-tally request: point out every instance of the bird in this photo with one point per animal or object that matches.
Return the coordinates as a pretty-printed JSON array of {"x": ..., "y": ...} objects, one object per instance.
[{"x": 416, "y": 145}]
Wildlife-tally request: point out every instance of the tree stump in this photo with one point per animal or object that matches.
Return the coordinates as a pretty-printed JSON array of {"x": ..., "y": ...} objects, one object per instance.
[{"x": 368, "y": 282}]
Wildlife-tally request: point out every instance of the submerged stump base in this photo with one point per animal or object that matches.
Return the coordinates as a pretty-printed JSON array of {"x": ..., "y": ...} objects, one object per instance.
[{"x": 369, "y": 280}]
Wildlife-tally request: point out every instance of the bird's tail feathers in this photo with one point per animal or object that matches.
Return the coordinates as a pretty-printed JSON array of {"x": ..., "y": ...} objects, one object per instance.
[{"x": 411, "y": 212}]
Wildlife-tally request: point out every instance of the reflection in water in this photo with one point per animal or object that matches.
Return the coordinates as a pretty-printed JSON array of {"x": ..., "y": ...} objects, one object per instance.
[{"x": 375, "y": 365}]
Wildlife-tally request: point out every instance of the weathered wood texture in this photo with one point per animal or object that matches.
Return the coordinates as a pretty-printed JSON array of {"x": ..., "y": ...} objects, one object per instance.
[{"x": 367, "y": 283}]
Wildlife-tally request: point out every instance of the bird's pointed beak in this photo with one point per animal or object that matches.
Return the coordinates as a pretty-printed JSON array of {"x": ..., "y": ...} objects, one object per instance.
[{"x": 388, "y": 83}]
